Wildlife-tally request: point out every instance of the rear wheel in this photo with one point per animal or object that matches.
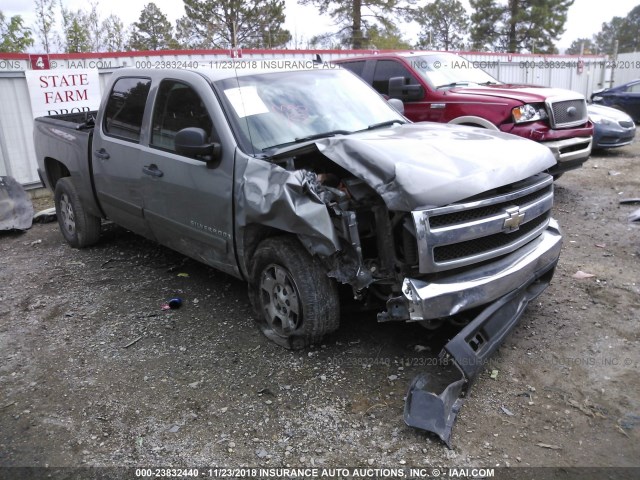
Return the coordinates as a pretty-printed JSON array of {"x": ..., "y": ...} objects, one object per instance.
[
  {"x": 295, "y": 302},
  {"x": 80, "y": 229}
]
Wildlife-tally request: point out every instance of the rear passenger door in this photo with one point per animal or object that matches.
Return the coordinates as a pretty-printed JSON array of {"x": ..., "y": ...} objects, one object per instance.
[
  {"x": 188, "y": 202},
  {"x": 116, "y": 153}
]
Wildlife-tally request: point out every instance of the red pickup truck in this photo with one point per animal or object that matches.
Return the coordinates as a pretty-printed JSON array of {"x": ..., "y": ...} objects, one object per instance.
[{"x": 444, "y": 87}]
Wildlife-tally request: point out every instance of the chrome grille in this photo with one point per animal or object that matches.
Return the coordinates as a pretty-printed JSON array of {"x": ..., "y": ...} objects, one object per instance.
[
  {"x": 567, "y": 113},
  {"x": 484, "y": 211},
  {"x": 479, "y": 229},
  {"x": 486, "y": 244}
]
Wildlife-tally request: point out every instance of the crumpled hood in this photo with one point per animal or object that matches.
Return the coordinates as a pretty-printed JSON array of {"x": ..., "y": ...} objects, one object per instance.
[
  {"x": 521, "y": 93},
  {"x": 422, "y": 165}
]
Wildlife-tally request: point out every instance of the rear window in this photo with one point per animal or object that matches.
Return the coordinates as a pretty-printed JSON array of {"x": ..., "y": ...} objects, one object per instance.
[{"x": 125, "y": 108}]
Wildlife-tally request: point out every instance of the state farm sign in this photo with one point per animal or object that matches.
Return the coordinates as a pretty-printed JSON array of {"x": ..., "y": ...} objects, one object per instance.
[{"x": 54, "y": 92}]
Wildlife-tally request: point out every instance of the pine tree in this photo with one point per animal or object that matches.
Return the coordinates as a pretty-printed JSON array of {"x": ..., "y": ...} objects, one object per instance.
[
  {"x": 518, "y": 26},
  {"x": 626, "y": 31},
  {"x": 386, "y": 39},
  {"x": 152, "y": 31},
  {"x": 444, "y": 25},
  {"x": 356, "y": 17},
  {"x": 233, "y": 24},
  {"x": 584, "y": 45}
]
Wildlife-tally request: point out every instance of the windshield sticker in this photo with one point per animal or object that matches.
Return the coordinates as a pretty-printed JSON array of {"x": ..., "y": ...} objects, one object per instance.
[{"x": 246, "y": 101}]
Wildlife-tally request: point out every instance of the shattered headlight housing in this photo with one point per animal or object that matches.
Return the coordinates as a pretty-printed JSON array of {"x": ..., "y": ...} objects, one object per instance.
[{"x": 529, "y": 113}]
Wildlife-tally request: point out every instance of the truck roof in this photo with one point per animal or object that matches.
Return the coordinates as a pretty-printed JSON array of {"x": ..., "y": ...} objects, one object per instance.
[
  {"x": 228, "y": 68},
  {"x": 404, "y": 54}
]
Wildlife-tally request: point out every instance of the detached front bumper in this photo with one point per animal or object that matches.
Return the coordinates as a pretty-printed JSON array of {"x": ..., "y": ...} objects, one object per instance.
[
  {"x": 479, "y": 286},
  {"x": 504, "y": 289}
]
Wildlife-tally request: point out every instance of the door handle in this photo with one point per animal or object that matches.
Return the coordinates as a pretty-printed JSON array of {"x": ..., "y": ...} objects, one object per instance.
[
  {"x": 152, "y": 170},
  {"x": 102, "y": 154}
]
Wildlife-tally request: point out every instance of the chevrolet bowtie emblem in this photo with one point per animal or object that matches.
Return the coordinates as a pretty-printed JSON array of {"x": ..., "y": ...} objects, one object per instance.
[{"x": 514, "y": 219}]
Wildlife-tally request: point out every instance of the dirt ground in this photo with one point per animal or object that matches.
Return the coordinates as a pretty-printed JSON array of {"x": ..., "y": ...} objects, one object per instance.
[{"x": 93, "y": 372}]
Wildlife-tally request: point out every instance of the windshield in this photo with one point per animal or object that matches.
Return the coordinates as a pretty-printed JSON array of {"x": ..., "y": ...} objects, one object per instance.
[
  {"x": 447, "y": 70},
  {"x": 274, "y": 109}
]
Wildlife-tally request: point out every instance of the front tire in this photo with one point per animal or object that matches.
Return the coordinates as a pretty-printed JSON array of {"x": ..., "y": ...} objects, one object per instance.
[
  {"x": 79, "y": 229},
  {"x": 294, "y": 300}
]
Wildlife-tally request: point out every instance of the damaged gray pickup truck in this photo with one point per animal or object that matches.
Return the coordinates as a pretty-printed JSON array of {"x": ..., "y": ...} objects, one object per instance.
[{"x": 307, "y": 182}]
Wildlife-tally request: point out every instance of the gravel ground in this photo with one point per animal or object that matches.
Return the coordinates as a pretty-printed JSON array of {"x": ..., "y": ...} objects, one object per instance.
[{"x": 94, "y": 373}]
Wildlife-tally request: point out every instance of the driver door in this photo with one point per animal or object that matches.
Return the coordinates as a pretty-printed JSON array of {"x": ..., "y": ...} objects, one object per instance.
[{"x": 187, "y": 202}]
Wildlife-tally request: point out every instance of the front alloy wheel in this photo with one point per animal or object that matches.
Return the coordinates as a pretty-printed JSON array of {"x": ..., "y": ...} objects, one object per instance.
[
  {"x": 280, "y": 300},
  {"x": 294, "y": 300}
]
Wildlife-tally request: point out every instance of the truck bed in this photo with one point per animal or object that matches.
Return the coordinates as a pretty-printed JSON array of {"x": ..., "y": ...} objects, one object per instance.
[
  {"x": 77, "y": 121},
  {"x": 66, "y": 140}
]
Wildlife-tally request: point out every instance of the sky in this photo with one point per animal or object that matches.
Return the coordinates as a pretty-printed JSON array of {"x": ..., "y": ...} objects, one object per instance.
[{"x": 304, "y": 22}]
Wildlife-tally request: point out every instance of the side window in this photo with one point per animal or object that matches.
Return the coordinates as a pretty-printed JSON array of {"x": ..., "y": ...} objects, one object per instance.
[
  {"x": 386, "y": 69},
  {"x": 177, "y": 106},
  {"x": 634, "y": 88},
  {"x": 125, "y": 108},
  {"x": 355, "y": 67}
]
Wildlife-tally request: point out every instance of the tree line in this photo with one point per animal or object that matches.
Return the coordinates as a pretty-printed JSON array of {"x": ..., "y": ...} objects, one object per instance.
[{"x": 518, "y": 26}]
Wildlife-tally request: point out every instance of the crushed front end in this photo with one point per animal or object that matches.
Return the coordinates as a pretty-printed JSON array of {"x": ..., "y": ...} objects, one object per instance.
[
  {"x": 422, "y": 231},
  {"x": 481, "y": 261}
]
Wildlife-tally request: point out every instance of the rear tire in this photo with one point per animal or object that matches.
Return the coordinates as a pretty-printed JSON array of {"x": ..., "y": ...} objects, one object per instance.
[
  {"x": 294, "y": 300},
  {"x": 79, "y": 229}
]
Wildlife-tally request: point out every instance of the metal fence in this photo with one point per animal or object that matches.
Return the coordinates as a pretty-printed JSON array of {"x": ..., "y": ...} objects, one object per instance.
[
  {"x": 17, "y": 156},
  {"x": 626, "y": 68}
]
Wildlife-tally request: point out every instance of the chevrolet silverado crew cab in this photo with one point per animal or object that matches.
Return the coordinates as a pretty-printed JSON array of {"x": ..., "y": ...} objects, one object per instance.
[
  {"x": 444, "y": 87},
  {"x": 307, "y": 182}
]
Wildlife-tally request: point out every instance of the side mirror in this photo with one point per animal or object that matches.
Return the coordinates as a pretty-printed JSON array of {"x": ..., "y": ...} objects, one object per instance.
[
  {"x": 397, "y": 104},
  {"x": 192, "y": 142},
  {"x": 399, "y": 88}
]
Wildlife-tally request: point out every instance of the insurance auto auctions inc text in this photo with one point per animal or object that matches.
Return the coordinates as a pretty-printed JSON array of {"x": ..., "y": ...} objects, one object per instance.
[{"x": 361, "y": 473}]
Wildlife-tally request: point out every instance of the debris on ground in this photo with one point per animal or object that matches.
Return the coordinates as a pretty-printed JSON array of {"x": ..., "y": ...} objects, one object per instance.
[
  {"x": 507, "y": 411},
  {"x": 550, "y": 447},
  {"x": 47, "y": 215},
  {"x": 580, "y": 275},
  {"x": 16, "y": 209},
  {"x": 172, "y": 304}
]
